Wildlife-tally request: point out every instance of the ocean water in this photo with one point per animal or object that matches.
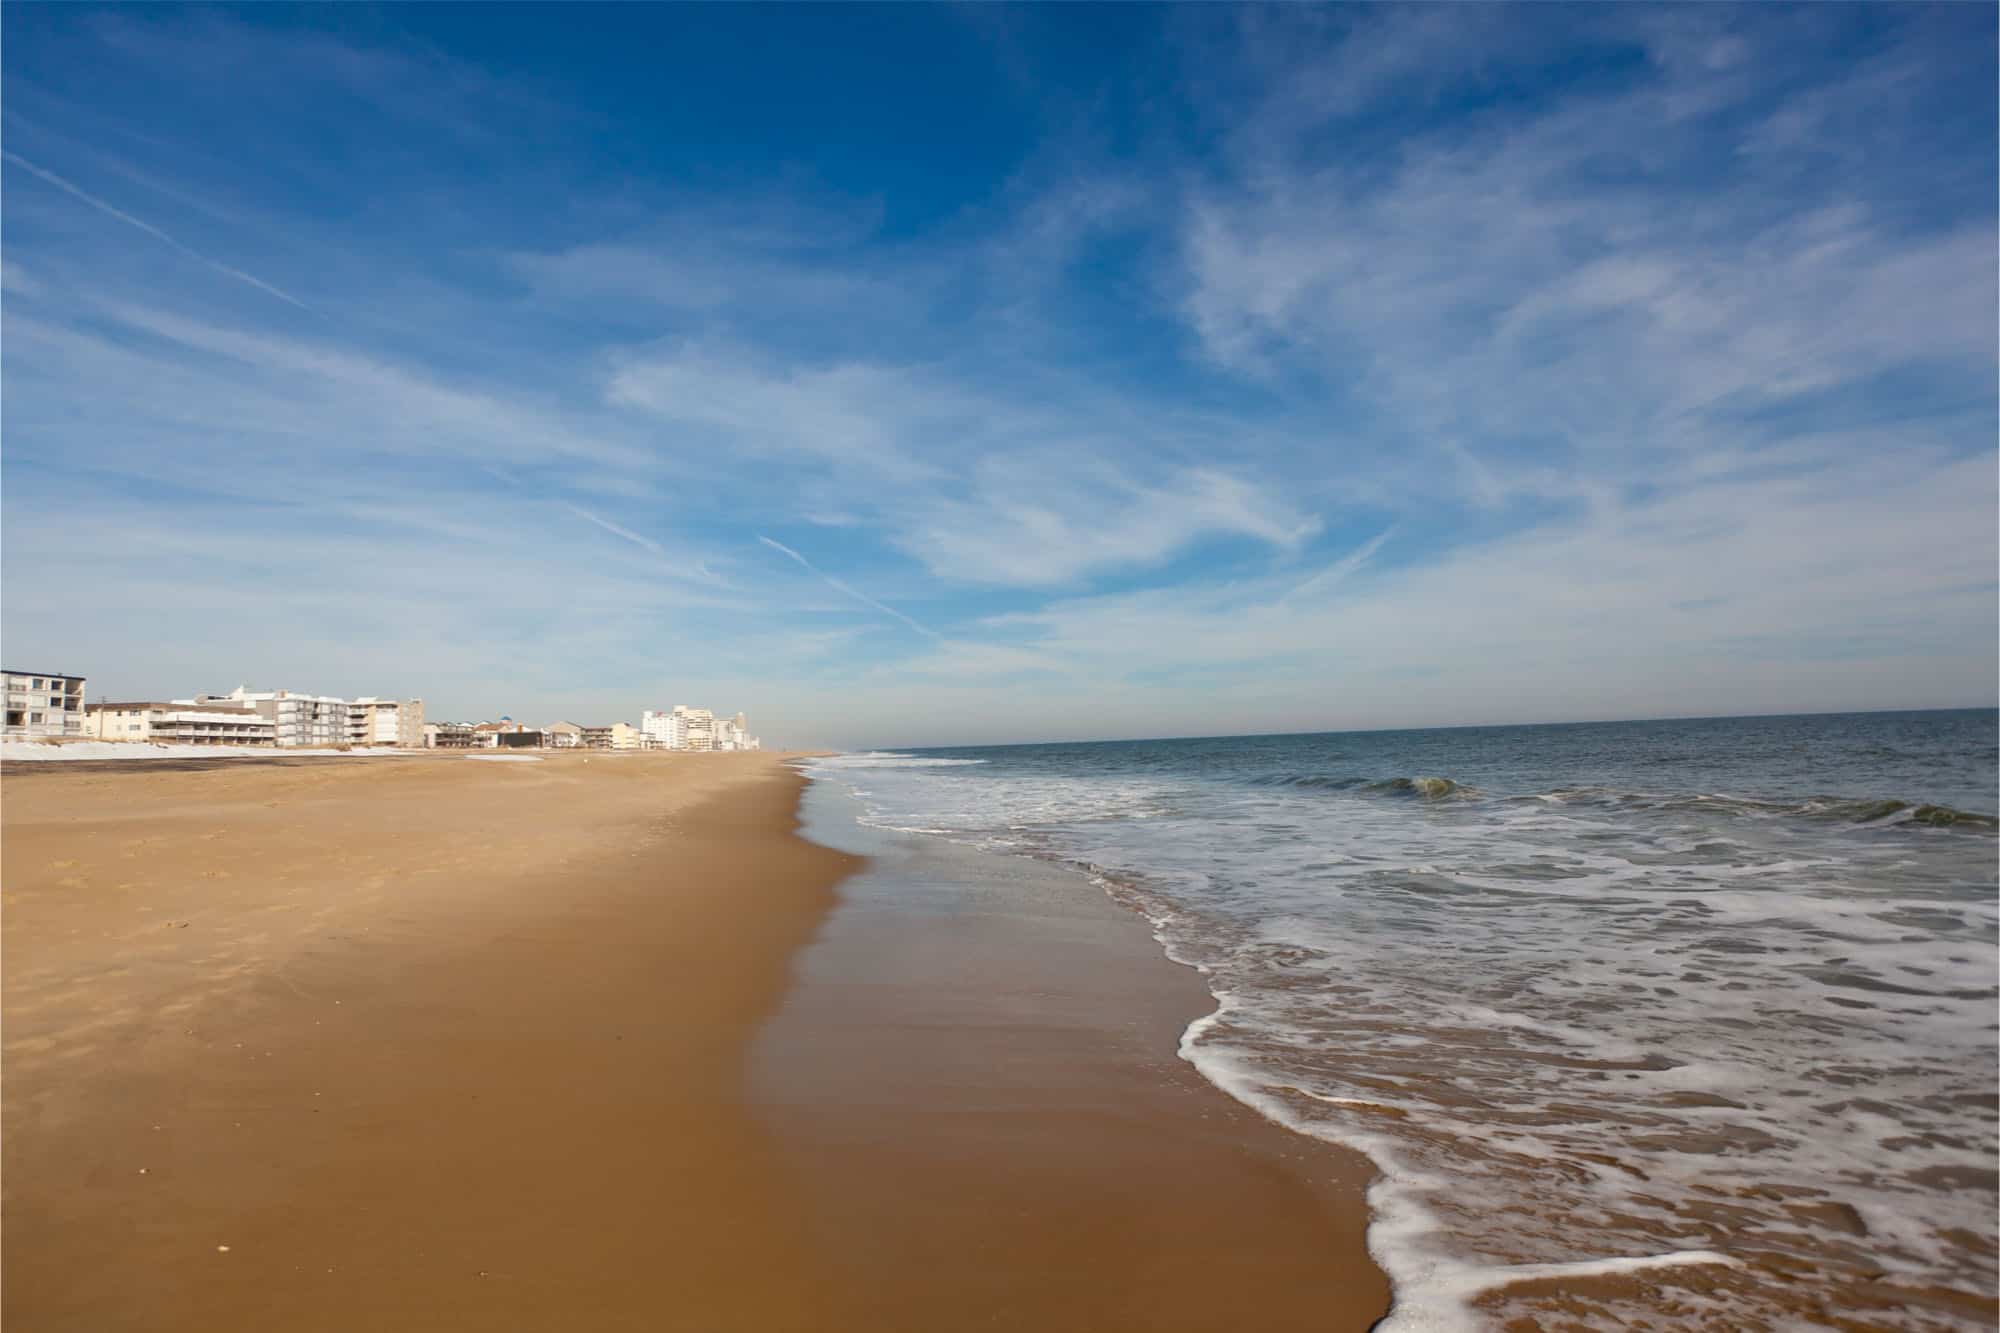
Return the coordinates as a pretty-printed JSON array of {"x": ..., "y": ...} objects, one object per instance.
[{"x": 1696, "y": 1017}]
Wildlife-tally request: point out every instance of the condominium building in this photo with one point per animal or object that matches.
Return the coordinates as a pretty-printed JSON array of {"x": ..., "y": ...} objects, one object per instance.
[
  {"x": 562, "y": 735},
  {"x": 373, "y": 721},
  {"x": 321, "y": 721},
  {"x": 303, "y": 721},
  {"x": 685, "y": 728},
  {"x": 179, "y": 723},
  {"x": 625, "y": 736},
  {"x": 596, "y": 738},
  {"x": 697, "y": 728},
  {"x": 43, "y": 705}
]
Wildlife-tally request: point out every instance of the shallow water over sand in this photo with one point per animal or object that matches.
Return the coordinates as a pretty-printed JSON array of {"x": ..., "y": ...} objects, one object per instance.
[{"x": 1697, "y": 1018}]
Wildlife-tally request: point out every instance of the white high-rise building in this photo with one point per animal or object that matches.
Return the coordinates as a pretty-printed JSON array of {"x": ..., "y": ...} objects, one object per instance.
[
  {"x": 664, "y": 730},
  {"x": 698, "y": 729}
]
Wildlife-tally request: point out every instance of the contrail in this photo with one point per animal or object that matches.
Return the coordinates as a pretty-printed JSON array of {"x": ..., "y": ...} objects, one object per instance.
[
  {"x": 614, "y": 529},
  {"x": 701, "y": 566},
  {"x": 838, "y": 586},
  {"x": 1344, "y": 566},
  {"x": 153, "y": 231}
]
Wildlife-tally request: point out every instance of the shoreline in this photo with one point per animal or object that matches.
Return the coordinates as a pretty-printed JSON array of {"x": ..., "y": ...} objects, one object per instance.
[
  {"x": 978, "y": 1067},
  {"x": 457, "y": 1045}
]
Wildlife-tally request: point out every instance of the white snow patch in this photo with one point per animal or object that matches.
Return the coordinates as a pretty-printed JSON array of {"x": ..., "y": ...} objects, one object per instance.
[{"x": 35, "y": 751}]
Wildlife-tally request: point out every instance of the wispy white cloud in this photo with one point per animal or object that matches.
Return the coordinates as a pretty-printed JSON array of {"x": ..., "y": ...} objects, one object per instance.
[
  {"x": 1596, "y": 616},
  {"x": 227, "y": 270},
  {"x": 1415, "y": 383},
  {"x": 976, "y": 487},
  {"x": 1493, "y": 281}
]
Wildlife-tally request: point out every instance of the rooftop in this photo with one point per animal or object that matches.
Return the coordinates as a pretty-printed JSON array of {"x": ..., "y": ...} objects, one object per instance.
[{"x": 180, "y": 705}]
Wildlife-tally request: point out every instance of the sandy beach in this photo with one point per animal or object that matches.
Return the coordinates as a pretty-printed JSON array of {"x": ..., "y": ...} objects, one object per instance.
[{"x": 428, "y": 1043}]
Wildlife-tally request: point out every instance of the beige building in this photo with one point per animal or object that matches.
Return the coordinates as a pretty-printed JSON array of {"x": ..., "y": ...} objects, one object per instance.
[
  {"x": 562, "y": 736},
  {"x": 373, "y": 721},
  {"x": 697, "y": 728},
  {"x": 625, "y": 736},
  {"x": 43, "y": 705},
  {"x": 179, "y": 723},
  {"x": 596, "y": 738}
]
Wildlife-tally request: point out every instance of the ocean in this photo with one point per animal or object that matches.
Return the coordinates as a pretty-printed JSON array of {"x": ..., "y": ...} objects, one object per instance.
[{"x": 1702, "y": 1012}]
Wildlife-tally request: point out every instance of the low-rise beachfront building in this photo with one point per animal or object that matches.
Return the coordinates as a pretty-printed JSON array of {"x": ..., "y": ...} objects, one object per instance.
[
  {"x": 179, "y": 723},
  {"x": 486, "y": 735},
  {"x": 302, "y": 721},
  {"x": 596, "y": 738},
  {"x": 562, "y": 735},
  {"x": 43, "y": 705},
  {"x": 448, "y": 736},
  {"x": 625, "y": 736}
]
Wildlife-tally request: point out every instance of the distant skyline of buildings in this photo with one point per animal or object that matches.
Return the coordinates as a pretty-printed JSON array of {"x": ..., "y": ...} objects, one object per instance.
[{"x": 51, "y": 706}]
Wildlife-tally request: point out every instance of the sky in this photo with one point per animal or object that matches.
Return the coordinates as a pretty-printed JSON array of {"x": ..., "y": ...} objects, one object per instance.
[{"x": 932, "y": 375}]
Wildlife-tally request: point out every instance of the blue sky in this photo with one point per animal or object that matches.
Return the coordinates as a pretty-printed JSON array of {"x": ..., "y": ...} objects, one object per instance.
[{"x": 917, "y": 375}]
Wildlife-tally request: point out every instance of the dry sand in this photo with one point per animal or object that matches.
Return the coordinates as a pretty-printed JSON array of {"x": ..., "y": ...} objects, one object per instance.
[{"x": 429, "y": 1044}]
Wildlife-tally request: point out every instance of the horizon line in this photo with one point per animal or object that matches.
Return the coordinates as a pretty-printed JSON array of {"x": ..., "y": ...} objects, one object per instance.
[{"x": 1453, "y": 726}]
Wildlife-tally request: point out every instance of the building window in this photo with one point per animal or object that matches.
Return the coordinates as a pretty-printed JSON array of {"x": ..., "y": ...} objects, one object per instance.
[
  {"x": 34, "y": 717},
  {"x": 38, "y": 684},
  {"x": 13, "y": 717}
]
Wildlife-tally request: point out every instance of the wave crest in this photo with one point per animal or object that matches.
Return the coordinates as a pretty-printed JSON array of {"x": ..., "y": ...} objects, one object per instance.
[
  {"x": 1424, "y": 788},
  {"x": 1880, "y": 811}
]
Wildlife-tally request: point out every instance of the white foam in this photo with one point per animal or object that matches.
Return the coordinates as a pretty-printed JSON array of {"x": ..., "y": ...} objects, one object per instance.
[
  {"x": 1535, "y": 989},
  {"x": 889, "y": 759},
  {"x": 1440, "y": 1301}
]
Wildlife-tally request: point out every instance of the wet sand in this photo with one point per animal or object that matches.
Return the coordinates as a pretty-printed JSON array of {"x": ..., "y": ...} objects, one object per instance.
[
  {"x": 434, "y": 1044},
  {"x": 974, "y": 1077}
]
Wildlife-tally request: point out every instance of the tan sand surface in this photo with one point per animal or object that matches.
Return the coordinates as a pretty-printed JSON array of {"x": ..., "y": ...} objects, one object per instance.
[{"x": 434, "y": 1044}]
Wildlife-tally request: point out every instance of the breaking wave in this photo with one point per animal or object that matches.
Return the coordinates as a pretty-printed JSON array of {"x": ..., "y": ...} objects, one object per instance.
[
  {"x": 1825, "y": 809},
  {"x": 892, "y": 759},
  {"x": 1427, "y": 788},
  {"x": 1884, "y": 811}
]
